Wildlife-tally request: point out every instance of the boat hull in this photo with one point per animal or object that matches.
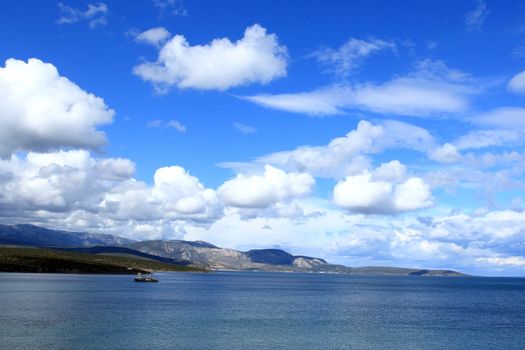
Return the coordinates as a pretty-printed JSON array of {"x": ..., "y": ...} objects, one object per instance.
[{"x": 150, "y": 280}]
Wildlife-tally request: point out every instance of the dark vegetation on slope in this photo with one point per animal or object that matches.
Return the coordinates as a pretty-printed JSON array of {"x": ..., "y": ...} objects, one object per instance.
[
  {"x": 123, "y": 251},
  {"x": 25, "y": 259}
]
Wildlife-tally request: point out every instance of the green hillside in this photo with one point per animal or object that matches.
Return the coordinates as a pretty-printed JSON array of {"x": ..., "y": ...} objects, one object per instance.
[{"x": 24, "y": 259}]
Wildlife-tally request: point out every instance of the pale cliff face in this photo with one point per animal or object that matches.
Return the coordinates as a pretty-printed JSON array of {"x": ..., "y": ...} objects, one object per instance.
[{"x": 307, "y": 263}]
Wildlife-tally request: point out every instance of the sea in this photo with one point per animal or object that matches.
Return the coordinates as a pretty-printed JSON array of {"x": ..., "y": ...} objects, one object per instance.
[{"x": 256, "y": 310}]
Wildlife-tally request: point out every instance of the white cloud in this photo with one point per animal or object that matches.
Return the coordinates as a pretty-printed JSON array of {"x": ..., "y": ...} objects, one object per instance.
[
  {"x": 155, "y": 123},
  {"x": 518, "y": 52},
  {"x": 182, "y": 193},
  {"x": 347, "y": 155},
  {"x": 261, "y": 191},
  {"x": 486, "y": 138},
  {"x": 412, "y": 194},
  {"x": 73, "y": 190},
  {"x": 456, "y": 241},
  {"x": 446, "y": 153},
  {"x": 433, "y": 89},
  {"x": 350, "y": 55},
  {"x": 173, "y": 124},
  {"x": 328, "y": 101},
  {"x": 95, "y": 14},
  {"x": 504, "y": 261},
  {"x": 517, "y": 83},
  {"x": 66, "y": 185},
  {"x": 512, "y": 118},
  {"x": 362, "y": 194},
  {"x": 243, "y": 128},
  {"x": 391, "y": 171},
  {"x": 476, "y": 17},
  {"x": 42, "y": 110},
  {"x": 60, "y": 181},
  {"x": 219, "y": 65},
  {"x": 174, "y": 7},
  {"x": 410, "y": 96},
  {"x": 490, "y": 159},
  {"x": 154, "y": 36},
  {"x": 343, "y": 155}
]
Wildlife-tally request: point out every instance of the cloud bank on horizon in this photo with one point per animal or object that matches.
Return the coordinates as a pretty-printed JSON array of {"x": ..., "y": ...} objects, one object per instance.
[{"x": 421, "y": 165}]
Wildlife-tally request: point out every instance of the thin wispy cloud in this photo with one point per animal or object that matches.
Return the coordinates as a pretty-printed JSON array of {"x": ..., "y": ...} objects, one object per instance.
[
  {"x": 517, "y": 83},
  {"x": 243, "y": 128},
  {"x": 347, "y": 58},
  {"x": 173, "y": 124},
  {"x": 173, "y": 7},
  {"x": 95, "y": 14},
  {"x": 477, "y": 16},
  {"x": 519, "y": 52},
  {"x": 432, "y": 89}
]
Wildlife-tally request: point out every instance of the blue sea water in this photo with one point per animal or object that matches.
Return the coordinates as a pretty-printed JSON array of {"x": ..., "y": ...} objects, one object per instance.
[{"x": 260, "y": 311}]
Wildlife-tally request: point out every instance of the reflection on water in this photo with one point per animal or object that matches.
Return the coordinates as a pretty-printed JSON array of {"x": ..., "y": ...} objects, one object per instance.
[{"x": 260, "y": 311}]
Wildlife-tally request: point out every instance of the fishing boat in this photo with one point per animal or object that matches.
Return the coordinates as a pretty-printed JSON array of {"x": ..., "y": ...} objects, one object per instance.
[{"x": 145, "y": 277}]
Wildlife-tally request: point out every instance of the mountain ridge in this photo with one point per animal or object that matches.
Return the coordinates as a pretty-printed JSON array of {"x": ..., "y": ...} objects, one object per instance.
[
  {"x": 191, "y": 253},
  {"x": 26, "y": 234}
]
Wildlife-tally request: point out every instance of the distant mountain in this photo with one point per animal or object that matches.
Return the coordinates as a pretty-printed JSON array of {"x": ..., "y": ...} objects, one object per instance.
[
  {"x": 215, "y": 258},
  {"x": 123, "y": 252},
  {"x": 193, "y": 253},
  {"x": 43, "y": 237}
]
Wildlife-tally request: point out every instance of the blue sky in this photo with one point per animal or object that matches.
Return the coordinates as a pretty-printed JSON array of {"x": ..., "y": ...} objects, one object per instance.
[{"x": 362, "y": 132}]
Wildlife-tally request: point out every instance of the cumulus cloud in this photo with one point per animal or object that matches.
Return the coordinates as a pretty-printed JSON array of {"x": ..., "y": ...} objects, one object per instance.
[
  {"x": 95, "y": 14},
  {"x": 181, "y": 193},
  {"x": 154, "y": 36},
  {"x": 433, "y": 89},
  {"x": 222, "y": 64},
  {"x": 517, "y": 83},
  {"x": 348, "y": 155},
  {"x": 364, "y": 194},
  {"x": 59, "y": 182},
  {"x": 391, "y": 171},
  {"x": 446, "y": 153},
  {"x": 42, "y": 110},
  {"x": 350, "y": 55},
  {"x": 74, "y": 190},
  {"x": 73, "y": 186},
  {"x": 262, "y": 191}
]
